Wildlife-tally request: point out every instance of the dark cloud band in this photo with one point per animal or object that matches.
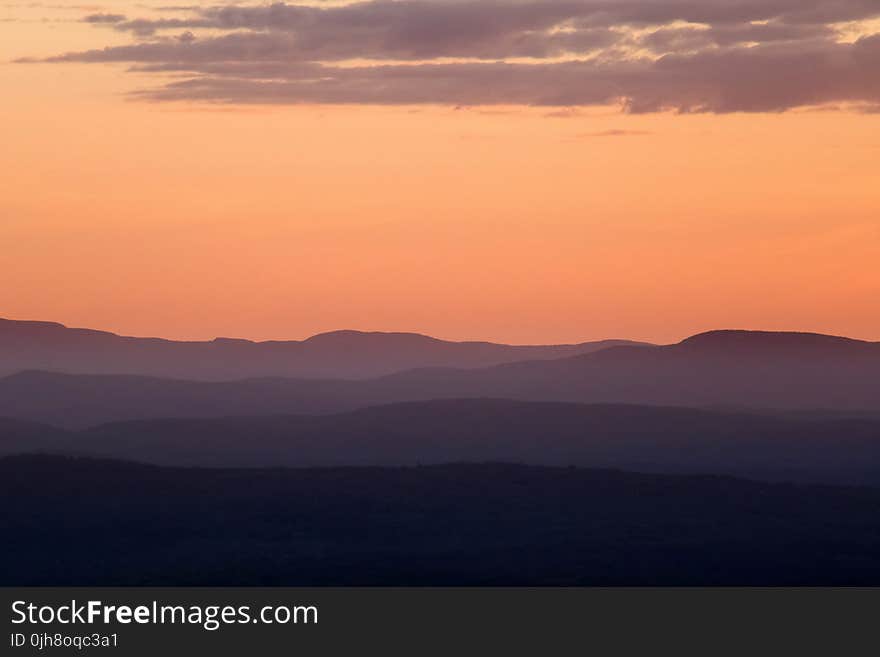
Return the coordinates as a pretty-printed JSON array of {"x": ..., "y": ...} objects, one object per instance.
[{"x": 649, "y": 55}]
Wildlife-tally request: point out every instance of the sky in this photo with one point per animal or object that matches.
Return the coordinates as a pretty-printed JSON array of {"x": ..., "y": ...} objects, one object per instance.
[{"x": 525, "y": 171}]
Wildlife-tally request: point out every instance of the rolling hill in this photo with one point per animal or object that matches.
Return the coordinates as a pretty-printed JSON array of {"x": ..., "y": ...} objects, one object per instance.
[
  {"x": 87, "y": 522},
  {"x": 721, "y": 368},
  {"x": 340, "y": 354},
  {"x": 644, "y": 439},
  {"x": 733, "y": 369}
]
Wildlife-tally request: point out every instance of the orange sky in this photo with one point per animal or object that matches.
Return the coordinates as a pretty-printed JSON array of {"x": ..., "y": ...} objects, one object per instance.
[{"x": 188, "y": 220}]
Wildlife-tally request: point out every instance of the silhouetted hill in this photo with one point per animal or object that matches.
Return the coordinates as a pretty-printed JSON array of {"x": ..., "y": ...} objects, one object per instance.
[
  {"x": 734, "y": 369},
  {"x": 722, "y": 368},
  {"x": 82, "y": 522},
  {"x": 17, "y": 436},
  {"x": 340, "y": 354},
  {"x": 68, "y": 400},
  {"x": 776, "y": 344},
  {"x": 645, "y": 439}
]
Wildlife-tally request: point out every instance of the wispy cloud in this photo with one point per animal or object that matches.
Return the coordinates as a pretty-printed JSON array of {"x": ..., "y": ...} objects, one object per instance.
[
  {"x": 614, "y": 133},
  {"x": 104, "y": 18}
]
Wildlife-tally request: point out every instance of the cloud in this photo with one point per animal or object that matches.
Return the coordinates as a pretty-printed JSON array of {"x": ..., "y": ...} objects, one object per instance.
[
  {"x": 615, "y": 133},
  {"x": 104, "y": 18},
  {"x": 647, "y": 55},
  {"x": 458, "y": 21}
]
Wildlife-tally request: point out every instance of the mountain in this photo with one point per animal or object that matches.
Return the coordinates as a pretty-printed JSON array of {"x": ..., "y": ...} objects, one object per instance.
[
  {"x": 17, "y": 436},
  {"x": 720, "y": 368},
  {"x": 340, "y": 354},
  {"x": 729, "y": 369},
  {"x": 643, "y": 439},
  {"x": 87, "y": 522},
  {"x": 75, "y": 401}
]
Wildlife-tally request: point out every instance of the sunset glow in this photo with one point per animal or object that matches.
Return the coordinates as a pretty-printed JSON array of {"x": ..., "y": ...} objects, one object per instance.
[{"x": 130, "y": 204}]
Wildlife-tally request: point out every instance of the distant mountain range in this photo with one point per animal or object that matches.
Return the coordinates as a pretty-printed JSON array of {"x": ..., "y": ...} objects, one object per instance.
[
  {"x": 160, "y": 462},
  {"x": 340, "y": 354},
  {"x": 752, "y": 369},
  {"x": 643, "y": 439},
  {"x": 88, "y": 522},
  {"x": 728, "y": 369}
]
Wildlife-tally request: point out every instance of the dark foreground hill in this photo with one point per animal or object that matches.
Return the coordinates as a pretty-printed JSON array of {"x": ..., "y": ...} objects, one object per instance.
[
  {"x": 339, "y": 354},
  {"x": 722, "y": 369},
  {"x": 82, "y": 522},
  {"x": 645, "y": 439}
]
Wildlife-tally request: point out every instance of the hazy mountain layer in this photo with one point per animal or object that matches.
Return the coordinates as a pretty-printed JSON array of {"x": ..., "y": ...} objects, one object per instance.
[
  {"x": 785, "y": 371},
  {"x": 340, "y": 354},
  {"x": 646, "y": 439}
]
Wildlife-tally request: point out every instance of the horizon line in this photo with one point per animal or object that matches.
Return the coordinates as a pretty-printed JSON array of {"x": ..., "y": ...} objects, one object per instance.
[{"x": 429, "y": 336}]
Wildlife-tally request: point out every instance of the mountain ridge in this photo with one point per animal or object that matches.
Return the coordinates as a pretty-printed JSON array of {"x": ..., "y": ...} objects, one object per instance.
[
  {"x": 665, "y": 440},
  {"x": 347, "y": 354},
  {"x": 8, "y": 325},
  {"x": 708, "y": 372}
]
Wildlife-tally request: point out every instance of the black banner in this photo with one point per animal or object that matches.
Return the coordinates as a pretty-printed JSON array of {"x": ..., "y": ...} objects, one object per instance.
[{"x": 413, "y": 621}]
